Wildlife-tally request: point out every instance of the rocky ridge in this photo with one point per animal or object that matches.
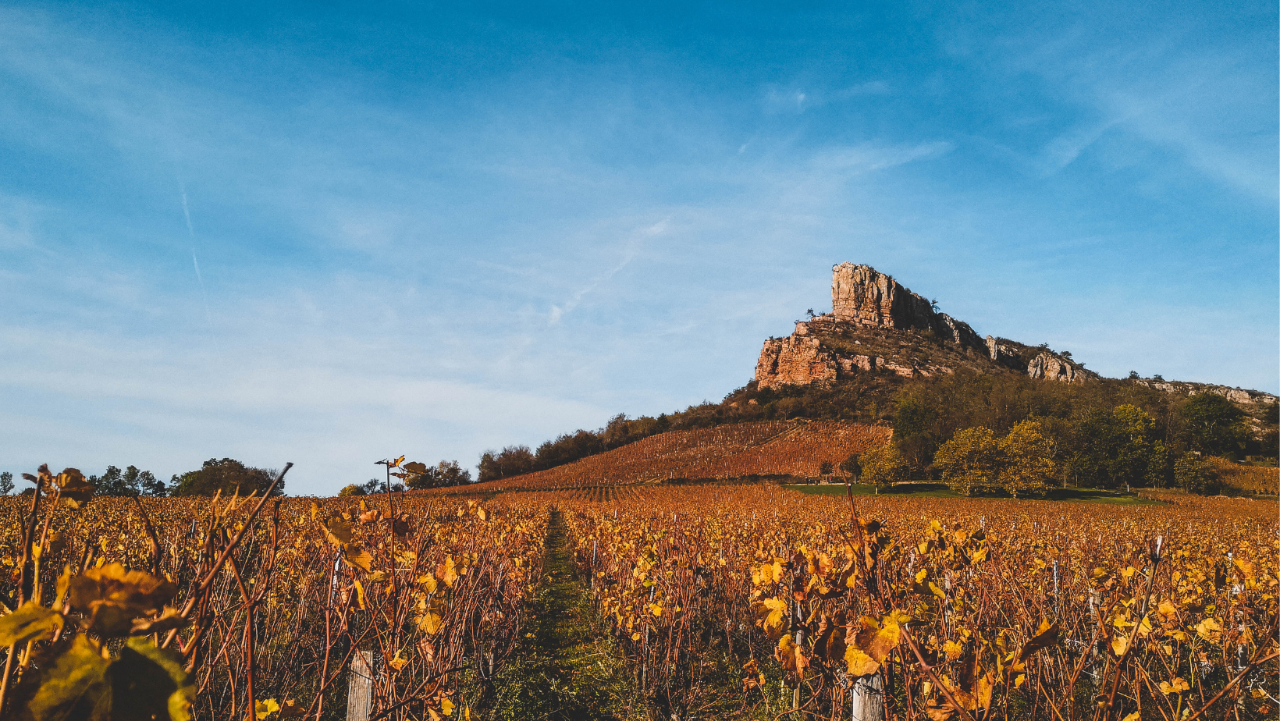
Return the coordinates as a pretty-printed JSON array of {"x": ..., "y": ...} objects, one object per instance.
[{"x": 877, "y": 325}]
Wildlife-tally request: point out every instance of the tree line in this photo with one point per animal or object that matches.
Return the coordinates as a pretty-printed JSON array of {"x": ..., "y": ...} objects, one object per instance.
[{"x": 1105, "y": 433}]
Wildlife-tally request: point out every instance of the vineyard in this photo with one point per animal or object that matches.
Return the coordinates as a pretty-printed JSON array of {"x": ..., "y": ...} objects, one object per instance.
[
  {"x": 1251, "y": 479},
  {"x": 724, "y": 601},
  {"x": 795, "y": 448}
]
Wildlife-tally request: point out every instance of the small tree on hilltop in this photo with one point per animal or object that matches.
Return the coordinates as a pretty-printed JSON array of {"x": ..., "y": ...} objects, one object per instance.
[
  {"x": 6, "y": 483},
  {"x": 970, "y": 461},
  {"x": 884, "y": 466},
  {"x": 226, "y": 475},
  {"x": 1024, "y": 462}
]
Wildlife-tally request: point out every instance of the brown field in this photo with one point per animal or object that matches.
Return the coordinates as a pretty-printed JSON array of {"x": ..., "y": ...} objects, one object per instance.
[{"x": 795, "y": 448}]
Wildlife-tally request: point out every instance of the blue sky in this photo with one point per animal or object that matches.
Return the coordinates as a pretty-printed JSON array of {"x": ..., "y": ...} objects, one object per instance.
[{"x": 327, "y": 236}]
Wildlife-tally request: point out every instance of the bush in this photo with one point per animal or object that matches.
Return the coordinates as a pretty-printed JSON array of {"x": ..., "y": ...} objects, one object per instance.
[{"x": 354, "y": 489}]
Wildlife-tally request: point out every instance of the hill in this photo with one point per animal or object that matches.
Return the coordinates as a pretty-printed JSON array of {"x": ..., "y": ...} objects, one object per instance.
[
  {"x": 886, "y": 355},
  {"x": 770, "y": 448}
]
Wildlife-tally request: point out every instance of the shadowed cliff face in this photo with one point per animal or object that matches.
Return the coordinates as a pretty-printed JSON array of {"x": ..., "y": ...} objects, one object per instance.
[{"x": 877, "y": 325}]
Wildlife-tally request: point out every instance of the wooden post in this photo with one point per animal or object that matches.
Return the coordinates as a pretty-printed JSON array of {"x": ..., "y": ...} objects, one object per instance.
[
  {"x": 360, "y": 686},
  {"x": 867, "y": 699}
]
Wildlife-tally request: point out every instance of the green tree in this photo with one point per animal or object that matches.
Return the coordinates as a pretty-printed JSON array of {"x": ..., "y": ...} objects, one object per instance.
[
  {"x": 228, "y": 476},
  {"x": 354, "y": 489},
  {"x": 1119, "y": 448},
  {"x": 884, "y": 466},
  {"x": 970, "y": 461},
  {"x": 1215, "y": 425},
  {"x": 129, "y": 482},
  {"x": 1194, "y": 475},
  {"x": 852, "y": 466},
  {"x": 1025, "y": 460},
  {"x": 6, "y": 483},
  {"x": 445, "y": 473}
]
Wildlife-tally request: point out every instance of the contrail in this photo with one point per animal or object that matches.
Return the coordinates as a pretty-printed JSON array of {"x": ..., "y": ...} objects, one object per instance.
[{"x": 186, "y": 213}]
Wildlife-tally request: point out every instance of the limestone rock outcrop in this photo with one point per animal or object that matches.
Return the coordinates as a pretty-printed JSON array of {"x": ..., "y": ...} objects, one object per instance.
[
  {"x": 864, "y": 296},
  {"x": 910, "y": 337},
  {"x": 1050, "y": 366},
  {"x": 878, "y": 326},
  {"x": 1235, "y": 395},
  {"x": 795, "y": 360}
]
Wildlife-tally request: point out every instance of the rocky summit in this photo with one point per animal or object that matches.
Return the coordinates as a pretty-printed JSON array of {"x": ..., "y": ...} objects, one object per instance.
[{"x": 877, "y": 325}]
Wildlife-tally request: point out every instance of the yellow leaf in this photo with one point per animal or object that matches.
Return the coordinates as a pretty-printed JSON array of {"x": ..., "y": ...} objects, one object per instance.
[
  {"x": 1119, "y": 644},
  {"x": 1021, "y": 679},
  {"x": 635, "y": 637},
  {"x": 1144, "y": 628},
  {"x": 446, "y": 705},
  {"x": 1174, "y": 686},
  {"x": 953, "y": 650},
  {"x": 1135, "y": 716},
  {"x": 263, "y": 709},
  {"x": 775, "y": 608},
  {"x": 31, "y": 622},
  {"x": 1168, "y": 610},
  {"x": 983, "y": 691},
  {"x": 1209, "y": 630},
  {"x": 398, "y": 662},
  {"x": 357, "y": 556},
  {"x": 448, "y": 571},
  {"x": 481, "y": 514},
  {"x": 360, "y": 595},
  {"x": 430, "y": 623},
  {"x": 860, "y": 664}
]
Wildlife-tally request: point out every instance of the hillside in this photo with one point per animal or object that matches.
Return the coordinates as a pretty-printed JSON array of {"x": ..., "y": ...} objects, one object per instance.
[
  {"x": 792, "y": 448},
  {"x": 882, "y": 345}
]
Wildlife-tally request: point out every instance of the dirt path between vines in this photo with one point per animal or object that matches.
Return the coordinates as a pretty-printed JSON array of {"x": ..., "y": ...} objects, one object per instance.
[{"x": 567, "y": 666}]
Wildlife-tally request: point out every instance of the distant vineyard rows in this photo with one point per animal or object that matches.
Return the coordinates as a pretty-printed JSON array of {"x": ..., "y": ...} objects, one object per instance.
[{"x": 796, "y": 448}]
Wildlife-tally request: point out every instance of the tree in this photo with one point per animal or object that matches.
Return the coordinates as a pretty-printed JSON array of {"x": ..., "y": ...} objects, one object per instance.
[
  {"x": 354, "y": 489},
  {"x": 1025, "y": 463},
  {"x": 1119, "y": 448},
  {"x": 1215, "y": 424},
  {"x": 852, "y": 466},
  {"x": 1194, "y": 475},
  {"x": 228, "y": 476},
  {"x": 970, "y": 461},
  {"x": 884, "y": 466},
  {"x": 511, "y": 461},
  {"x": 445, "y": 473},
  {"x": 6, "y": 483},
  {"x": 826, "y": 468},
  {"x": 129, "y": 482}
]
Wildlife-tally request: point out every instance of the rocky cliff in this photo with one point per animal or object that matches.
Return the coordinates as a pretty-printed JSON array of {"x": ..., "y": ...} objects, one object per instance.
[{"x": 877, "y": 325}]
